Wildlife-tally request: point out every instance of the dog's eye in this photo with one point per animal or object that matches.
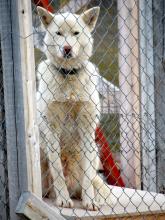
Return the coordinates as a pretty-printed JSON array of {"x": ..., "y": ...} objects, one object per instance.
[
  {"x": 76, "y": 33},
  {"x": 59, "y": 33}
]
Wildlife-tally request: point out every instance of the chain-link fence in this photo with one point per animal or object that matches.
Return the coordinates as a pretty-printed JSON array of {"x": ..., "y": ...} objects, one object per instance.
[{"x": 120, "y": 130}]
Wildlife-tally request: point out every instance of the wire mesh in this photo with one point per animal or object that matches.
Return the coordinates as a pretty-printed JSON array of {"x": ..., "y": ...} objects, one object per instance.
[{"x": 100, "y": 119}]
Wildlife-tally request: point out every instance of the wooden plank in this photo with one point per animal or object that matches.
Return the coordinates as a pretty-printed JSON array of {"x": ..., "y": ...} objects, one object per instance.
[
  {"x": 23, "y": 179},
  {"x": 159, "y": 69},
  {"x": 126, "y": 202},
  {"x": 29, "y": 91},
  {"x": 36, "y": 209},
  {"x": 147, "y": 97},
  {"x": 129, "y": 92},
  {"x": 136, "y": 92}
]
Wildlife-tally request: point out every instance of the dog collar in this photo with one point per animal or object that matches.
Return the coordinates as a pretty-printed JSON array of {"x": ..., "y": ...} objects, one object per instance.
[{"x": 66, "y": 72}]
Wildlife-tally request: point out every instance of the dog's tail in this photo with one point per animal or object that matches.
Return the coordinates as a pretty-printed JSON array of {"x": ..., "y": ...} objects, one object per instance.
[{"x": 102, "y": 191}]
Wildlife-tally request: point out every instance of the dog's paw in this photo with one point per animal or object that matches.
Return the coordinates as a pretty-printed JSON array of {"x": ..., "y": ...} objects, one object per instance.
[
  {"x": 64, "y": 202},
  {"x": 91, "y": 204},
  {"x": 100, "y": 200}
]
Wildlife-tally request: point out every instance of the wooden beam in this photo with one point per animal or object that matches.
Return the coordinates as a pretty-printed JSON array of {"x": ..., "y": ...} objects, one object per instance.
[
  {"x": 29, "y": 96},
  {"x": 129, "y": 92},
  {"x": 35, "y": 208}
]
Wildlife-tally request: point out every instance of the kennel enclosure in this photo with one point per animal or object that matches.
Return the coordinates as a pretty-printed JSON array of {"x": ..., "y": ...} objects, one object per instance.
[{"x": 137, "y": 99}]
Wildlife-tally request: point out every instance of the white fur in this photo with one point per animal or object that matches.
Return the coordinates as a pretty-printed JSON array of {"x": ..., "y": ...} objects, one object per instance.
[{"x": 69, "y": 108}]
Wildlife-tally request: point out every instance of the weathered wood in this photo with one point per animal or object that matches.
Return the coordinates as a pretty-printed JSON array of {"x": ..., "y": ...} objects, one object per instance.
[
  {"x": 8, "y": 60},
  {"x": 129, "y": 92},
  {"x": 159, "y": 70},
  {"x": 29, "y": 91},
  {"x": 35, "y": 208},
  {"x": 136, "y": 92},
  {"x": 147, "y": 97}
]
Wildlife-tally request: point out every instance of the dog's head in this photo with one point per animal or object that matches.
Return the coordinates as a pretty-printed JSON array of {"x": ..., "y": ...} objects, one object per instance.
[{"x": 68, "y": 36}]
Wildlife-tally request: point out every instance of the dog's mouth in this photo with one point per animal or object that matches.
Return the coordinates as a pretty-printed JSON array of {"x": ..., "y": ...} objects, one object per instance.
[{"x": 67, "y": 55}]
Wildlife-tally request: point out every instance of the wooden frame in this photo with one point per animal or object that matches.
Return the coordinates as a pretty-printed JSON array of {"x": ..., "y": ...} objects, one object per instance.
[
  {"x": 29, "y": 91},
  {"x": 33, "y": 207}
]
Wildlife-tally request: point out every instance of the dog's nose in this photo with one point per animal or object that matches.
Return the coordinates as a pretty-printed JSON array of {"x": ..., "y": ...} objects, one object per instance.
[{"x": 67, "y": 50}]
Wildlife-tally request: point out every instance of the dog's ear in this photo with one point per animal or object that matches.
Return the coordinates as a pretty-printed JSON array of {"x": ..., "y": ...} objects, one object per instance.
[
  {"x": 45, "y": 16},
  {"x": 90, "y": 17}
]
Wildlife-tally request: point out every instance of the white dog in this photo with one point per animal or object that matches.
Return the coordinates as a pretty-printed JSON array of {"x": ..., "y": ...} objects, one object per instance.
[{"x": 69, "y": 108}]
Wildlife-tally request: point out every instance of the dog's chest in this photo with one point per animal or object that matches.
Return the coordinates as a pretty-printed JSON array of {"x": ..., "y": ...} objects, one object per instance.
[
  {"x": 71, "y": 88},
  {"x": 54, "y": 86}
]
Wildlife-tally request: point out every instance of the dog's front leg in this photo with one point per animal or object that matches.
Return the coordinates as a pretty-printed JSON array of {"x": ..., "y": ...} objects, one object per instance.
[
  {"x": 86, "y": 127},
  {"x": 60, "y": 188},
  {"x": 53, "y": 132}
]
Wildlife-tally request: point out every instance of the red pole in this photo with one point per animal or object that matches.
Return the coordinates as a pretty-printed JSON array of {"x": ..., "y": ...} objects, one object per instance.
[{"x": 111, "y": 171}]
